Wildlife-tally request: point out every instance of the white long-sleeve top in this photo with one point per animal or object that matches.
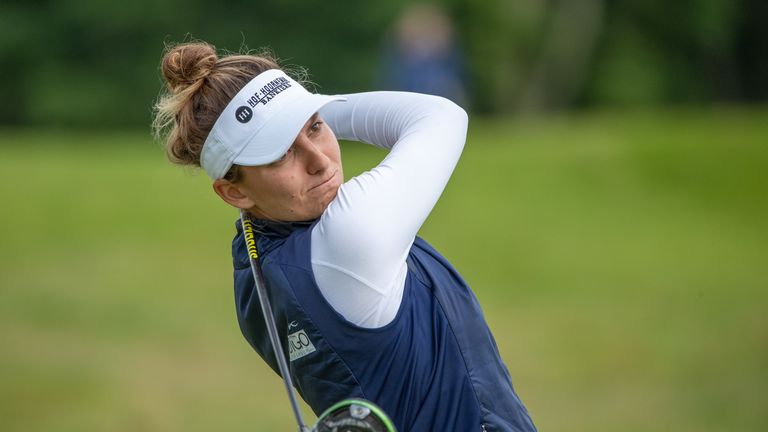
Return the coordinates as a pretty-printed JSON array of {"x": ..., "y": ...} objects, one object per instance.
[{"x": 362, "y": 240}]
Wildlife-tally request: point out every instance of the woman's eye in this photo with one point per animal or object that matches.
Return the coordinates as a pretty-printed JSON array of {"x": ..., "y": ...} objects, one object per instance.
[{"x": 316, "y": 126}]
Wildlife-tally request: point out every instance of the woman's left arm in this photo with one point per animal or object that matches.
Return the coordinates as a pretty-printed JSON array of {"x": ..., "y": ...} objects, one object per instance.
[{"x": 361, "y": 242}]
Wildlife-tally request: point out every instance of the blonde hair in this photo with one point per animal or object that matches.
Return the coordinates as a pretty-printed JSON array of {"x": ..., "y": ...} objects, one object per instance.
[{"x": 199, "y": 85}]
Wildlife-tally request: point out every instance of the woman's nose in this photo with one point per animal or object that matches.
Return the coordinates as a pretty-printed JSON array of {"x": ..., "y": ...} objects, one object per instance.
[{"x": 314, "y": 158}]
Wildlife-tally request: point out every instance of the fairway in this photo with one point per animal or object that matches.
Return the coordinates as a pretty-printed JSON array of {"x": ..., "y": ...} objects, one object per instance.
[{"x": 620, "y": 260}]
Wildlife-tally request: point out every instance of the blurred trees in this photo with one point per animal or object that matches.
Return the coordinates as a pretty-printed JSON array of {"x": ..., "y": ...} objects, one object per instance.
[
  {"x": 530, "y": 54},
  {"x": 89, "y": 63}
]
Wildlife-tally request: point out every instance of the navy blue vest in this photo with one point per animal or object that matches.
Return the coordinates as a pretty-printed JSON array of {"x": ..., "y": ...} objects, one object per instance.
[{"x": 435, "y": 367}]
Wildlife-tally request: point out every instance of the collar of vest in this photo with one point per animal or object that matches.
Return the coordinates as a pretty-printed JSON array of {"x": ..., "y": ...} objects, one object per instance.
[
  {"x": 277, "y": 228},
  {"x": 274, "y": 229},
  {"x": 270, "y": 233}
]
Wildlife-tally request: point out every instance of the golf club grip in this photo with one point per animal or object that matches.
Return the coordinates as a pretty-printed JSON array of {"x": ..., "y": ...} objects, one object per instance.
[{"x": 269, "y": 318}]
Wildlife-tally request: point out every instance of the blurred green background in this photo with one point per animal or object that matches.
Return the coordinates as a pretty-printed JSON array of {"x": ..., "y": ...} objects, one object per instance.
[{"x": 609, "y": 210}]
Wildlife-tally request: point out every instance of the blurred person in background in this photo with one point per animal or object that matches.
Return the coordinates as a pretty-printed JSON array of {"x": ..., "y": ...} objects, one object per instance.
[
  {"x": 423, "y": 56},
  {"x": 368, "y": 309}
]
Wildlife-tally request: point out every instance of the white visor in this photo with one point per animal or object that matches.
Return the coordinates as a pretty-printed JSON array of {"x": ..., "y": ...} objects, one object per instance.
[{"x": 260, "y": 123}]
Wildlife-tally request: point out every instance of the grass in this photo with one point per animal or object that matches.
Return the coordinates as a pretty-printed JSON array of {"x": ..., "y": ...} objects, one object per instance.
[{"x": 620, "y": 259}]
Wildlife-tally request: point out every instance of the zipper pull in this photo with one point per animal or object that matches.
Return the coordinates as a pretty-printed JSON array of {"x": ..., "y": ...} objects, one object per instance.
[{"x": 483, "y": 426}]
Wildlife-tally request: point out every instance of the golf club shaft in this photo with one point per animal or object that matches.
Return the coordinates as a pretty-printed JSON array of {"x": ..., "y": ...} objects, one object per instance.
[{"x": 269, "y": 318}]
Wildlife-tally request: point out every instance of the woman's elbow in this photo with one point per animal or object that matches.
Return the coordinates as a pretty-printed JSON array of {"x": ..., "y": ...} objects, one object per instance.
[{"x": 451, "y": 113}]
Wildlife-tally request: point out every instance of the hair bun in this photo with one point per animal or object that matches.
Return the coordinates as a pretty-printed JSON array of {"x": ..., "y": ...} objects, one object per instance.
[{"x": 186, "y": 65}]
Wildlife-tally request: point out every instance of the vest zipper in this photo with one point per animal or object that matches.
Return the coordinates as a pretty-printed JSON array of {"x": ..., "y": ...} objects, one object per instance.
[{"x": 483, "y": 426}]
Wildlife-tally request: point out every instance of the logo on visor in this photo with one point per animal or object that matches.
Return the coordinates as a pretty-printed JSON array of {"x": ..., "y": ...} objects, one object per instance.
[
  {"x": 243, "y": 114},
  {"x": 269, "y": 91}
]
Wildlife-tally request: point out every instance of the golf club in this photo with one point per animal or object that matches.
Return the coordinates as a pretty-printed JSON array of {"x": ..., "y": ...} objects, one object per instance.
[{"x": 269, "y": 318}]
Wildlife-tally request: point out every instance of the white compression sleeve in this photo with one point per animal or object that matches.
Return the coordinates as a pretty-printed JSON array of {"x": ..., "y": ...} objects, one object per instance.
[{"x": 361, "y": 242}]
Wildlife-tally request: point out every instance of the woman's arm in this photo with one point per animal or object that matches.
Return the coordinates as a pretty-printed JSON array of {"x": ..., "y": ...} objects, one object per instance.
[{"x": 361, "y": 242}]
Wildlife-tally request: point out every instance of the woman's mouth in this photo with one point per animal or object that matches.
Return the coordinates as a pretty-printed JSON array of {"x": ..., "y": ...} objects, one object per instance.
[{"x": 326, "y": 181}]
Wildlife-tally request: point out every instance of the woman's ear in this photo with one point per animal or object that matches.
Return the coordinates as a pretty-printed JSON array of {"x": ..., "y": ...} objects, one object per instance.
[{"x": 232, "y": 194}]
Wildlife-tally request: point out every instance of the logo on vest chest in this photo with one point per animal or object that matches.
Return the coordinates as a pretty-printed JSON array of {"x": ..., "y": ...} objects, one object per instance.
[{"x": 299, "y": 345}]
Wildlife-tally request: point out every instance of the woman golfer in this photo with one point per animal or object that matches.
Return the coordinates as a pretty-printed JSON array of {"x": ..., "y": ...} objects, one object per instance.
[{"x": 364, "y": 307}]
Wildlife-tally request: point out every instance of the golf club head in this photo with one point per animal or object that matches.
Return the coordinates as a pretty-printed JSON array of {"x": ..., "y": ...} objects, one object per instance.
[{"x": 354, "y": 415}]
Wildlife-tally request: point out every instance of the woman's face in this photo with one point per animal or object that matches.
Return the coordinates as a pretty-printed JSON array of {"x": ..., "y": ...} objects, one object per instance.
[{"x": 297, "y": 187}]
